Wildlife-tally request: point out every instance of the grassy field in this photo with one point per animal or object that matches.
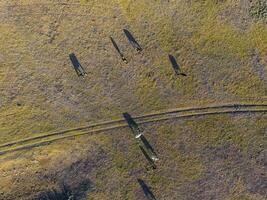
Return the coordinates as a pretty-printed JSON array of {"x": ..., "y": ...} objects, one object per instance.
[{"x": 220, "y": 45}]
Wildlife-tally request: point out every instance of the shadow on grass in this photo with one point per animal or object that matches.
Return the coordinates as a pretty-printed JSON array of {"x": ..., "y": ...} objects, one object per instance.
[
  {"x": 132, "y": 124},
  {"x": 175, "y": 66},
  {"x": 132, "y": 40},
  {"x": 76, "y": 65},
  {"x": 148, "y": 158},
  {"x": 64, "y": 193},
  {"x": 118, "y": 50},
  {"x": 148, "y": 193},
  {"x": 148, "y": 146},
  {"x": 76, "y": 189}
]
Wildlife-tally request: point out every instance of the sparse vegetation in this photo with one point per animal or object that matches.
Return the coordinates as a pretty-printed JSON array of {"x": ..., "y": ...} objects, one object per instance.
[
  {"x": 63, "y": 193},
  {"x": 258, "y": 9},
  {"x": 209, "y": 157}
]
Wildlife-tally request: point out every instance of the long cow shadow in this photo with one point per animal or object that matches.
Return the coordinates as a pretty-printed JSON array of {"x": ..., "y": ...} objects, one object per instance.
[
  {"x": 148, "y": 158},
  {"x": 132, "y": 124},
  {"x": 148, "y": 146},
  {"x": 76, "y": 65},
  {"x": 132, "y": 40},
  {"x": 118, "y": 50},
  {"x": 175, "y": 66},
  {"x": 148, "y": 193}
]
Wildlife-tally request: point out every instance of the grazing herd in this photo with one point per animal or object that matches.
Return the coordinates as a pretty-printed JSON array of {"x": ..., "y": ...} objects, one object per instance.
[
  {"x": 143, "y": 143},
  {"x": 81, "y": 72}
]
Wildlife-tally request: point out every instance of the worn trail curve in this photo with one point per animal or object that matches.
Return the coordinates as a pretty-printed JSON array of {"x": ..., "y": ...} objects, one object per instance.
[{"x": 189, "y": 112}]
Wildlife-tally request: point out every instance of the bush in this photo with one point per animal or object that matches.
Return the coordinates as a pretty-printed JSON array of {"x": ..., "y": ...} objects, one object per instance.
[
  {"x": 63, "y": 194},
  {"x": 258, "y": 9}
]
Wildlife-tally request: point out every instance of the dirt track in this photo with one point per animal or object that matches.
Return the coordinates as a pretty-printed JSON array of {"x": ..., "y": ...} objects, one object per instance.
[{"x": 147, "y": 118}]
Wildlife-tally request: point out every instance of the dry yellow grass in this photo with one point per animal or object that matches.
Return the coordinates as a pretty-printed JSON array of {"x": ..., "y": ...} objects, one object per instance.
[{"x": 217, "y": 44}]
